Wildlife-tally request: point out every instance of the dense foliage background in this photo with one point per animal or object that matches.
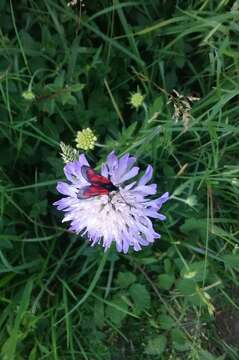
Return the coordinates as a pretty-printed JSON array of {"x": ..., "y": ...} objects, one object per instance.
[{"x": 64, "y": 68}]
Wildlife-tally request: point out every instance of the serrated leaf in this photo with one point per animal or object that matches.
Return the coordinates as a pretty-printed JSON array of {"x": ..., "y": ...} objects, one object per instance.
[
  {"x": 205, "y": 355},
  {"x": 124, "y": 279},
  {"x": 67, "y": 98},
  {"x": 76, "y": 87},
  {"x": 231, "y": 260},
  {"x": 197, "y": 227},
  {"x": 115, "y": 315},
  {"x": 166, "y": 322},
  {"x": 148, "y": 260},
  {"x": 156, "y": 346},
  {"x": 165, "y": 281},
  {"x": 186, "y": 286},
  {"x": 195, "y": 271},
  {"x": 39, "y": 208},
  {"x": 140, "y": 296},
  {"x": 167, "y": 265},
  {"x": 179, "y": 340}
]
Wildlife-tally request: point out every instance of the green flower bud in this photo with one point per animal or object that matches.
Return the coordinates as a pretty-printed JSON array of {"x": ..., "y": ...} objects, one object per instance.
[
  {"x": 28, "y": 95},
  {"x": 136, "y": 99},
  {"x": 85, "y": 139}
]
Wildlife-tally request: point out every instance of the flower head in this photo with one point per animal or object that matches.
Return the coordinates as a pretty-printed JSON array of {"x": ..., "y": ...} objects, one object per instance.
[
  {"x": 136, "y": 100},
  {"x": 85, "y": 139},
  {"x": 122, "y": 215}
]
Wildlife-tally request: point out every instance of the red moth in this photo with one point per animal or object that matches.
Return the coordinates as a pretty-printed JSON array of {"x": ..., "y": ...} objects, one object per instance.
[{"x": 99, "y": 185}]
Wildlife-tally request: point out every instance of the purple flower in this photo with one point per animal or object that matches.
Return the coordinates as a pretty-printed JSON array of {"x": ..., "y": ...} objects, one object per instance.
[{"x": 121, "y": 216}]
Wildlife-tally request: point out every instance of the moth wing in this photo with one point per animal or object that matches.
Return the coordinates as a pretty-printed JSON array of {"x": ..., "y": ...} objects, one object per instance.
[
  {"x": 90, "y": 191},
  {"x": 93, "y": 177}
]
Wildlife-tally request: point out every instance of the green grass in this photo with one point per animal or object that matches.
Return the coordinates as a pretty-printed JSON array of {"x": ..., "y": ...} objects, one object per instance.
[{"x": 61, "y": 299}]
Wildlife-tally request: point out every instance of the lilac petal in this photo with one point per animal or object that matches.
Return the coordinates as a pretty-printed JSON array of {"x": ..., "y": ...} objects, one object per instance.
[
  {"x": 104, "y": 171},
  {"x": 63, "y": 203},
  {"x": 125, "y": 246},
  {"x": 157, "y": 203},
  {"x": 82, "y": 160},
  {"x": 112, "y": 161},
  {"x": 125, "y": 164},
  {"x": 147, "y": 224},
  {"x": 130, "y": 186},
  {"x": 66, "y": 189},
  {"x": 154, "y": 214},
  {"x": 130, "y": 162},
  {"x": 143, "y": 241},
  {"x": 153, "y": 204},
  {"x": 72, "y": 170},
  {"x": 124, "y": 167},
  {"x": 146, "y": 189},
  {"x": 164, "y": 198},
  {"x": 119, "y": 246},
  {"x": 137, "y": 247},
  {"x": 127, "y": 240},
  {"x": 147, "y": 176},
  {"x": 132, "y": 173},
  {"x": 151, "y": 213}
]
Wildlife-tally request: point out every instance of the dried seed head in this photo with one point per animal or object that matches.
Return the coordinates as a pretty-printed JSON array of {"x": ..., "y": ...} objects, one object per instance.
[{"x": 68, "y": 153}]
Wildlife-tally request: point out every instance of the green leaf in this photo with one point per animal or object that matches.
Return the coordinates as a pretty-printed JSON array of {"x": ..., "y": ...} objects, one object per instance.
[
  {"x": 186, "y": 286},
  {"x": 205, "y": 355},
  {"x": 76, "y": 87},
  {"x": 166, "y": 322},
  {"x": 59, "y": 81},
  {"x": 39, "y": 208},
  {"x": 194, "y": 271},
  {"x": 67, "y": 98},
  {"x": 115, "y": 315},
  {"x": 124, "y": 279},
  {"x": 165, "y": 281},
  {"x": 157, "y": 106},
  {"x": 195, "y": 227},
  {"x": 148, "y": 260},
  {"x": 231, "y": 260},
  {"x": 167, "y": 266},
  {"x": 179, "y": 340},
  {"x": 156, "y": 346},
  {"x": 48, "y": 106},
  {"x": 140, "y": 296}
]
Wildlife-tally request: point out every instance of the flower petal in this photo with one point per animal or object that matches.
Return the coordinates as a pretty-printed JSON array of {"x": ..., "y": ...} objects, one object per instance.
[
  {"x": 147, "y": 176},
  {"x": 104, "y": 170},
  {"x": 146, "y": 189},
  {"x": 66, "y": 189},
  {"x": 130, "y": 174},
  {"x": 112, "y": 161},
  {"x": 72, "y": 171}
]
